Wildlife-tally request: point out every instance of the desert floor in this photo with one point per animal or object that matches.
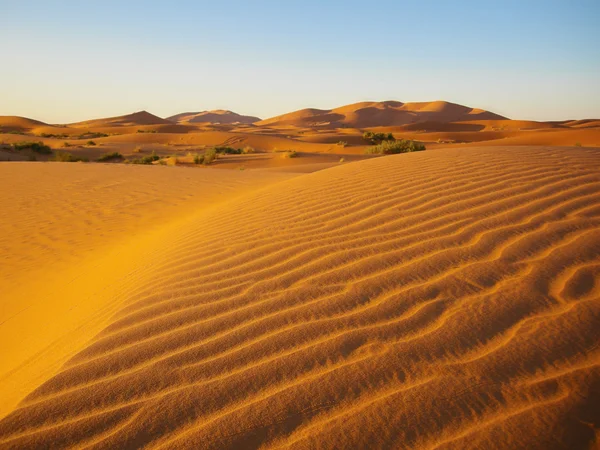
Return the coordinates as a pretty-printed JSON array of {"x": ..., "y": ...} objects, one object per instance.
[{"x": 440, "y": 299}]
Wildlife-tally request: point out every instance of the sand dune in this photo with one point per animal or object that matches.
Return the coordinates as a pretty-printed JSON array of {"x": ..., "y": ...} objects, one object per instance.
[
  {"x": 373, "y": 114},
  {"x": 443, "y": 299},
  {"x": 16, "y": 123},
  {"x": 138, "y": 118},
  {"x": 219, "y": 116}
]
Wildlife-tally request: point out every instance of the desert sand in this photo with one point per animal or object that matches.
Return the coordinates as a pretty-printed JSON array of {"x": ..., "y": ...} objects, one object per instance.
[{"x": 440, "y": 299}]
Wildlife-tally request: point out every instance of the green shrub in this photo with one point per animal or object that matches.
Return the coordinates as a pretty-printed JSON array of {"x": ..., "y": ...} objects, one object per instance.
[
  {"x": 377, "y": 138},
  {"x": 209, "y": 156},
  {"x": 110, "y": 156},
  {"x": 198, "y": 159},
  {"x": 290, "y": 154},
  {"x": 393, "y": 147},
  {"x": 90, "y": 135},
  {"x": 50, "y": 135},
  {"x": 90, "y": 143},
  {"x": 67, "y": 157},
  {"x": 38, "y": 147},
  {"x": 228, "y": 150}
]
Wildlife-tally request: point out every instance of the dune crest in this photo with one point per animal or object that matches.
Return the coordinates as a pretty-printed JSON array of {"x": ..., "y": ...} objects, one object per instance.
[
  {"x": 373, "y": 114},
  {"x": 433, "y": 300},
  {"x": 218, "y": 116},
  {"x": 137, "y": 118}
]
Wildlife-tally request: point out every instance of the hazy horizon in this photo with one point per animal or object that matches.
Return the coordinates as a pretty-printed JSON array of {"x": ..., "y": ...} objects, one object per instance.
[{"x": 70, "y": 62}]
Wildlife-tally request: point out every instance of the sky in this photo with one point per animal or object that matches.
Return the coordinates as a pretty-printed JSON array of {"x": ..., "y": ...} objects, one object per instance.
[{"x": 66, "y": 61}]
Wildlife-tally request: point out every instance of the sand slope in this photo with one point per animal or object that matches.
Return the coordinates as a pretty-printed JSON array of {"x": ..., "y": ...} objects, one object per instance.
[
  {"x": 430, "y": 300},
  {"x": 71, "y": 237}
]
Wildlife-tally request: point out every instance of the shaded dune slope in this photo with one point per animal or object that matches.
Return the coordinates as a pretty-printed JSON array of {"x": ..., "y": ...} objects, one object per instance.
[{"x": 431, "y": 300}]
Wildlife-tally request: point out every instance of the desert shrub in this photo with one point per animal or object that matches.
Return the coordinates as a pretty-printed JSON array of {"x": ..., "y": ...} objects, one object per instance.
[
  {"x": 342, "y": 144},
  {"x": 137, "y": 149},
  {"x": 342, "y": 160},
  {"x": 209, "y": 156},
  {"x": 51, "y": 135},
  {"x": 247, "y": 149},
  {"x": 577, "y": 144},
  {"x": 66, "y": 144},
  {"x": 67, "y": 157},
  {"x": 110, "y": 156},
  {"x": 228, "y": 150},
  {"x": 393, "y": 147},
  {"x": 37, "y": 147},
  {"x": 90, "y": 135},
  {"x": 290, "y": 154},
  {"x": 172, "y": 161},
  {"x": 90, "y": 143},
  {"x": 377, "y": 138},
  {"x": 198, "y": 159},
  {"x": 146, "y": 131}
]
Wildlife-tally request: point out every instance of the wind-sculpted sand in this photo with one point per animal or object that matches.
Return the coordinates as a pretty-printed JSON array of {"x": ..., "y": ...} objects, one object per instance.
[
  {"x": 71, "y": 237},
  {"x": 426, "y": 300}
]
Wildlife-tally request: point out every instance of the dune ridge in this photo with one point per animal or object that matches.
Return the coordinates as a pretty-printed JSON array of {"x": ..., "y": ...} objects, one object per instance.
[
  {"x": 373, "y": 114},
  {"x": 431, "y": 300},
  {"x": 220, "y": 116}
]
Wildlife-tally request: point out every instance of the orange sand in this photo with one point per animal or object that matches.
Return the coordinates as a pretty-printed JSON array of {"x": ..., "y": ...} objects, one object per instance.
[{"x": 442, "y": 299}]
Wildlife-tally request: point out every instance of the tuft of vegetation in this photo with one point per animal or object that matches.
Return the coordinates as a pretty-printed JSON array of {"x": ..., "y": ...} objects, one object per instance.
[
  {"x": 90, "y": 135},
  {"x": 578, "y": 144},
  {"x": 146, "y": 131},
  {"x": 342, "y": 160},
  {"x": 137, "y": 149},
  {"x": 228, "y": 150},
  {"x": 377, "y": 138},
  {"x": 66, "y": 144},
  {"x": 37, "y": 147},
  {"x": 172, "y": 161},
  {"x": 51, "y": 135},
  {"x": 110, "y": 157},
  {"x": 290, "y": 154},
  {"x": 67, "y": 157},
  {"x": 198, "y": 159},
  {"x": 394, "y": 147},
  {"x": 342, "y": 144},
  {"x": 247, "y": 149},
  {"x": 149, "y": 159},
  {"x": 90, "y": 143},
  {"x": 209, "y": 156}
]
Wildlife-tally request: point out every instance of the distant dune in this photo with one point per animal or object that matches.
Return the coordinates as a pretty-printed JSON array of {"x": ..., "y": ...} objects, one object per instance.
[
  {"x": 16, "y": 123},
  {"x": 218, "y": 116},
  {"x": 373, "y": 114},
  {"x": 441, "y": 299},
  {"x": 138, "y": 118}
]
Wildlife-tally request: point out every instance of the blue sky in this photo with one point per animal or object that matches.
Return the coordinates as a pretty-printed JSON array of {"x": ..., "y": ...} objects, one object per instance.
[{"x": 68, "y": 60}]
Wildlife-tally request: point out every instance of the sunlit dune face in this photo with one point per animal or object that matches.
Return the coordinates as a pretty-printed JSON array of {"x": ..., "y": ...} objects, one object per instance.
[{"x": 439, "y": 299}]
